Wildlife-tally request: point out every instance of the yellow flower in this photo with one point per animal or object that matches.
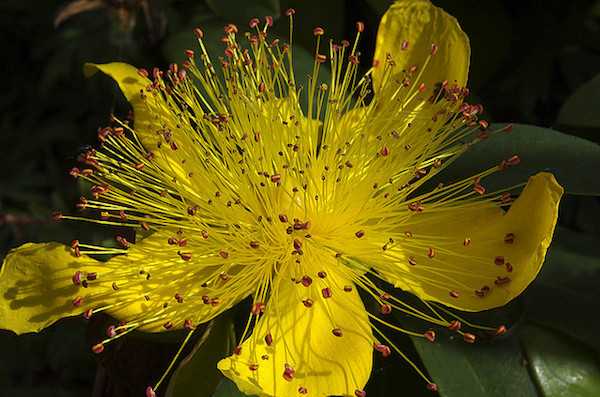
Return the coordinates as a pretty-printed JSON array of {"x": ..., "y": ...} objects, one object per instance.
[{"x": 246, "y": 196}]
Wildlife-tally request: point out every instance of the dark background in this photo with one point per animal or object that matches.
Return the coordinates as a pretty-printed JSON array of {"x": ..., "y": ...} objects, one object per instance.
[{"x": 528, "y": 57}]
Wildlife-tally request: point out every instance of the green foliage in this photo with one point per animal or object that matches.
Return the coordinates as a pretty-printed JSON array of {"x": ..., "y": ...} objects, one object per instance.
[
  {"x": 569, "y": 158},
  {"x": 196, "y": 375}
]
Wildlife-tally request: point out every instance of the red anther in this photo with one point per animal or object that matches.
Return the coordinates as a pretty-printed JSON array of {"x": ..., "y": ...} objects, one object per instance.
[
  {"x": 360, "y": 234},
  {"x": 258, "y": 308},
  {"x": 434, "y": 49},
  {"x": 115, "y": 286},
  {"x": 230, "y": 28},
  {"x": 224, "y": 254},
  {"x": 307, "y": 302},
  {"x": 168, "y": 325},
  {"x": 186, "y": 256},
  {"x": 253, "y": 23},
  {"x": 229, "y": 53},
  {"x": 74, "y": 172},
  {"x": 150, "y": 392},
  {"x": 181, "y": 75},
  {"x": 385, "y": 151},
  {"x": 318, "y": 31},
  {"x": 360, "y": 393},
  {"x": 276, "y": 178},
  {"x": 110, "y": 331},
  {"x": 416, "y": 206},
  {"x": 214, "y": 302},
  {"x": 302, "y": 390},
  {"x": 262, "y": 87},
  {"x": 430, "y": 252},
  {"x": 505, "y": 198},
  {"x": 500, "y": 280},
  {"x": 173, "y": 68},
  {"x": 306, "y": 281},
  {"x": 383, "y": 349},
  {"x": 483, "y": 125},
  {"x": 479, "y": 189},
  {"x": 75, "y": 244},
  {"x": 204, "y": 234},
  {"x": 187, "y": 324},
  {"x": 122, "y": 241},
  {"x": 103, "y": 133},
  {"x": 237, "y": 350},
  {"x": 283, "y": 218},
  {"x": 297, "y": 244},
  {"x": 412, "y": 261},
  {"x": 98, "y": 348},
  {"x": 269, "y": 20},
  {"x": 87, "y": 172},
  {"x": 507, "y": 128},
  {"x": 326, "y": 292},
  {"x": 385, "y": 296},
  {"x": 289, "y": 12},
  {"x": 499, "y": 260},
  {"x": 288, "y": 373},
  {"x": 337, "y": 332},
  {"x": 321, "y": 58},
  {"x": 509, "y": 238},
  {"x": 178, "y": 298},
  {"x": 454, "y": 294},
  {"x": 360, "y": 26},
  {"x": 119, "y": 131},
  {"x": 198, "y": 33},
  {"x": 252, "y": 367},
  {"x": 432, "y": 387},
  {"x": 142, "y": 72},
  {"x": 412, "y": 69},
  {"x": 385, "y": 309},
  {"x": 322, "y": 274},
  {"x": 347, "y": 288},
  {"x": 429, "y": 335},
  {"x": 422, "y": 87},
  {"x": 513, "y": 160},
  {"x": 189, "y": 53},
  {"x": 501, "y": 330},
  {"x": 205, "y": 299},
  {"x": 469, "y": 338},
  {"x": 466, "y": 241},
  {"x": 509, "y": 267},
  {"x": 454, "y": 325},
  {"x": 345, "y": 43},
  {"x": 269, "y": 339},
  {"x": 76, "y": 278},
  {"x": 91, "y": 276},
  {"x": 182, "y": 242},
  {"x": 254, "y": 244},
  {"x": 404, "y": 45},
  {"x": 172, "y": 241},
  {"x": 186, "y": 64},
  {"x": 88, "y": 314}
]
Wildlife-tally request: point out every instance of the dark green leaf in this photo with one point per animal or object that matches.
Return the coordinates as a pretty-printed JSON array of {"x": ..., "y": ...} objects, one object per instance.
[
  {"x": 240, "y": 11},
  {"x": 560, "y": 366},
  {"x": 197, "y": 374},
  {"x": 569, "y": 158},
  {"x": 484, "y": 369},
  {"x": 582, "y": 108},
  {"x": 227, "y": 388}
]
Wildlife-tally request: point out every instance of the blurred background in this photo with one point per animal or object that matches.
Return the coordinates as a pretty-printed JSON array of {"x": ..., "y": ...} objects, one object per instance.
[{"x": 533, "y": 62}]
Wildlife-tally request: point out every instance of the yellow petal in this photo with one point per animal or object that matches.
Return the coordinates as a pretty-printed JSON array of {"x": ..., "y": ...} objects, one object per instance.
[
  {"x": 36, "y": 286},
  {"x": 489, "y": 258},
  {"x": 132, "y": 85},
  {"x": 422, "y": 24},
  {"x": 302, "y": 338},
  {"x": 36, "y": 280}
]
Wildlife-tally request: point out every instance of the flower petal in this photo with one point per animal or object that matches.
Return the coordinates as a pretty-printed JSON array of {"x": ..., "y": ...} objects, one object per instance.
[
  {"x": 132, "y": 85},
  {"x": 421, "y": 24},
  {"x": 303, "y": 338},
  {"x": 482, "y": 258},
  {"x": 38, "y": 288}
]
